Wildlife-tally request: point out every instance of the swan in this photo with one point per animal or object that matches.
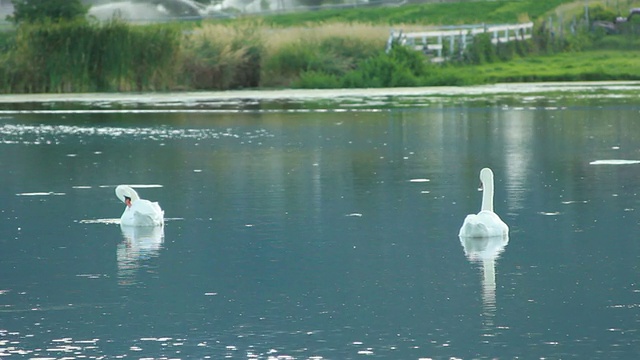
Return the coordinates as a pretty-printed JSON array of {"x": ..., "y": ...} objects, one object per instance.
[
  {"x": 486, "y": 223},
  {"x": 139, "y": 212}
]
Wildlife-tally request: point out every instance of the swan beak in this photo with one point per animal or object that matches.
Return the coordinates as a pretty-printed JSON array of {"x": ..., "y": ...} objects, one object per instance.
[{"x": 480, "y": 187}]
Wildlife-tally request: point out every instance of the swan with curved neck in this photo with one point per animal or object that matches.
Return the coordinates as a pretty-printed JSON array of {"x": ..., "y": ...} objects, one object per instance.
[
  {"x": 486, "y": 223},
  {"x": 138, "y": 212}
]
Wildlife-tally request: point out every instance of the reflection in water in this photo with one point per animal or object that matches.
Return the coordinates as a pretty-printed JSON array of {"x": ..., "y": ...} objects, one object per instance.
[
  {"x": 485, "y": 251},
  {"x": 518, "y": 137},
  {"x": 140, "y": 243},
  {"x": 320, "y": 214}
]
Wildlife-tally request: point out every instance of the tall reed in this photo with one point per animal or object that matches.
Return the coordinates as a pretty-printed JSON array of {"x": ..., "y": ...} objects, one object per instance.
[
  {"x": 81, "y": 56},
  {"x": 326, "y": 49},
  {"x": 222, "y": 57}
]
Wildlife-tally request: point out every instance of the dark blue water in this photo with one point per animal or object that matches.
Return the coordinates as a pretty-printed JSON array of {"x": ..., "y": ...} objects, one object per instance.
[{"x": 322, "y": 234}]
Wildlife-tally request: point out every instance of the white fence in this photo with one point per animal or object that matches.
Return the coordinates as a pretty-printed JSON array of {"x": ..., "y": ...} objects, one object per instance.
[{"x": 458, "y": 37}]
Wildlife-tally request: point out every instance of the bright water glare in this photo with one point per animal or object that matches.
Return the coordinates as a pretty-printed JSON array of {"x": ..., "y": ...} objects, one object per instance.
[{"x": 322, "y": 229}]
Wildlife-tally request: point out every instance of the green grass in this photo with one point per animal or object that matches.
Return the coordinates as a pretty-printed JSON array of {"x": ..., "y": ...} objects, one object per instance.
[
  {"x": 584, "y": 66},
  {"x": 467, "y": 12}
]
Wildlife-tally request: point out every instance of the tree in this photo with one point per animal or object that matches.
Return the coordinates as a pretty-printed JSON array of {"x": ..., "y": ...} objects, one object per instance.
[{"x": 41, "y": 10}]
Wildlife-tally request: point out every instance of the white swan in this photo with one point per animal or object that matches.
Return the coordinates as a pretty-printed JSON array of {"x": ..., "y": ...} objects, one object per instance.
[
  {"x": 139, "y": 212},
  {"x": 486, "y": 223}
]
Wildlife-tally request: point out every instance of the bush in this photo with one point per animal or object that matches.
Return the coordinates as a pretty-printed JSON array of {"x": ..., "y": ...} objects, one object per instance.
[
  {"x": 210, "y": 65},
  {"x": 317, "y": 80},
  {"x": 79, "y": 56},
  {"x": 481, "y": 50},
  {"x": 284, "y": 67},
  {"x": 400, "y": 67},
  {"x": 290, "y": 61},
  {"x": 47, "y": 10},
  {"x": 380, "y": 71},
  {"x": 600, "y": 13},
  {"x": 216, "y": 57}
]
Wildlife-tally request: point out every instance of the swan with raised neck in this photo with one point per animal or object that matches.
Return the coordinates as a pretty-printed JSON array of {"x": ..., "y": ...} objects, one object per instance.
[{"x": 486, "y": 223}]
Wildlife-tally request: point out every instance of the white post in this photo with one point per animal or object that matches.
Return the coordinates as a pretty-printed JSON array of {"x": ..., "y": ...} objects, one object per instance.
[
  {"x": 464, "y": 41},
  {"x": 452, "y": 43},
  {"x": 586, "y": 12}
]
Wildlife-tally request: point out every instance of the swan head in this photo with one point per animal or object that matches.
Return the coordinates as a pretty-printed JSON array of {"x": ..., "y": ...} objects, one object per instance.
[
  {"x": 126, "y": 191},
  {"x": 486, "y": 176}
]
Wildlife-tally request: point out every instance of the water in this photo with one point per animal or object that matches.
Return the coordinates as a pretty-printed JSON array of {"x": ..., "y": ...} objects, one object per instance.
[{"x": 322, "y": 229}]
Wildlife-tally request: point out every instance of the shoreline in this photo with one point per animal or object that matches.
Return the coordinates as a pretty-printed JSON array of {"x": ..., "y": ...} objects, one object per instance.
[{"x": 311, "y": 94}]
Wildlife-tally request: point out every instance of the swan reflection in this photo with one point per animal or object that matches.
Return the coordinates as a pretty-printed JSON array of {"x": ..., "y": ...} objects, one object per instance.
[
  {"x": 485, "y": 251},
  {"x": 140, "y": 244}
]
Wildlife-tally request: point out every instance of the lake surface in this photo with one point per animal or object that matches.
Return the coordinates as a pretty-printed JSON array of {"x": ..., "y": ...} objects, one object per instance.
[{"x": 322, "y": 228}]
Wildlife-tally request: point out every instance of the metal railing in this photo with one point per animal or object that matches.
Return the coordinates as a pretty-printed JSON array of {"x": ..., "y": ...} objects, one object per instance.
[{"x": 458, "y": 37}]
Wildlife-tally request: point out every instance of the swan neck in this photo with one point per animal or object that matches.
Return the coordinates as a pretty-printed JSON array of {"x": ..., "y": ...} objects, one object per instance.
[
  {"x": 123, "y": 191},
  {"x": 487, "y": 195}
]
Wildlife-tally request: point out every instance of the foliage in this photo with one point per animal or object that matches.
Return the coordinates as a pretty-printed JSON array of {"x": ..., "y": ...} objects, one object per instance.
[
  {"x": 223, "y": 58},
  {"x": 426, "y": 13},
  {"x": 317, "y": 80},
  {"x": 79, "y": 56},
  {"x": 314, "y": 55},
  {"x": 620, "y": 43},
  {"x": 47, "y": 10},
  {"x": 600, "y": 13},
  {"x": 589, "y": 65},
  {"x": 481, "y": 50},
  {"x": 400, "y": 67},
  {"x": 311, "y": 3}
]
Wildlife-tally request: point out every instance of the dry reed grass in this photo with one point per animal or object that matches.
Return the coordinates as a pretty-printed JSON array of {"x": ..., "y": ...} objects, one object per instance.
[
  {"x": 222, "y": 56},
  {"x": 277, "y": 38}
]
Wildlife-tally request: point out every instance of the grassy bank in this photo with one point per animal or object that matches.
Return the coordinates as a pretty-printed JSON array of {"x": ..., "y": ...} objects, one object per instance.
[
  {"x": 592, "y": 65},
  {"x": 318, "y": 49},
  {"x": 424, "y": 14}
]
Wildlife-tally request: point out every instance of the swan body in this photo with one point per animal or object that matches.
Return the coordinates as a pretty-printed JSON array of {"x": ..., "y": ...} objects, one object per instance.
[
  {"x": 486, "y": 223},
  {"x": 140, "y": 212}
]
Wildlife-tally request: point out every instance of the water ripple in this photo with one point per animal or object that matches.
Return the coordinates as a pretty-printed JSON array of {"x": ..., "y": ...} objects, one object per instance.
[{"x": 55, "y": 134}]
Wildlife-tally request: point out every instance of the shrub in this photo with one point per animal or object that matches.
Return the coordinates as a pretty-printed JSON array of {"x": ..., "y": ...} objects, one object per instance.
[
  {"x": 481, "y": 50},
  {"x": 332, "y": 49},
  {"x": 600, "y": 13},
  {"x": 285, "y": 66},
  {"x": 217, "y": 57},
  {"x": 400, "y": 67},
  {"x": 79, "y": 56},
  {"x": 43, "y": 10},
  {"x": 317, "y": 80}
]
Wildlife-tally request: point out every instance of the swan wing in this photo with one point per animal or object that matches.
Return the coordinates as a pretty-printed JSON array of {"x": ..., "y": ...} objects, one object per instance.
[
  {"x": 127, "y": 217},
  {"x": 484, "y": 224},
  {"x": 147, "y": 213},
  {"x": 473, "y": 227}
]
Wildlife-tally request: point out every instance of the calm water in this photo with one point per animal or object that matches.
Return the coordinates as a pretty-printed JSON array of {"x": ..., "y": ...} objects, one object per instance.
[{"x": 326, "y": 233}]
